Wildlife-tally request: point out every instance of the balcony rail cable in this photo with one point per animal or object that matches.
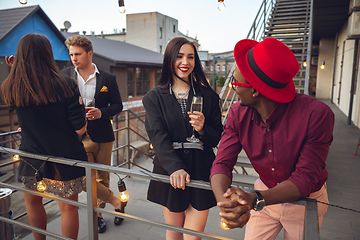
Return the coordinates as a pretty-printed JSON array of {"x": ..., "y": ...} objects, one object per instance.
[{"x": 310, "y": 221}]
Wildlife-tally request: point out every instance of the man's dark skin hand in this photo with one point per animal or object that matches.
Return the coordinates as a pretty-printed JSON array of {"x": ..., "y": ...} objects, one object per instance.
[
  {"x": 235, "y": 204},
  {"x": 235, "y": 211}
]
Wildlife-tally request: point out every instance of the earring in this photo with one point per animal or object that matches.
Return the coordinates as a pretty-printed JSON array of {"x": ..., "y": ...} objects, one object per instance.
[
  {"x": 192, "y": 82},
  {"x": 254, "y": 95}
]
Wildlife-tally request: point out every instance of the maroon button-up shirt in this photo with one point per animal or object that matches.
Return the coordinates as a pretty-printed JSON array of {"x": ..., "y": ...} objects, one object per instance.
[{"x": 293, "y": 146}]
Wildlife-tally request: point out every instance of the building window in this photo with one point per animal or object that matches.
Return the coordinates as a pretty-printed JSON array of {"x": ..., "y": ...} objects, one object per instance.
[
  {"x": 160, "y": 49},
  {"x": 138, "y": 81},
  {"x": 174, "y": 28},
  {"x": 158, "y": 75},
  {"x": 223, "y": 68},
  {"x": 160, "y": 33},
  {"x": 130, "y": 82},
  {"x": 211, "y": 68},
  {"x": 218, "y": 67},
  {"x": 142, "y": 81}
]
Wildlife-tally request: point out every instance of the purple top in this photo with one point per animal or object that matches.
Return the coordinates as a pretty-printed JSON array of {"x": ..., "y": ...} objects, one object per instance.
[{"x": 294, "y": 147}]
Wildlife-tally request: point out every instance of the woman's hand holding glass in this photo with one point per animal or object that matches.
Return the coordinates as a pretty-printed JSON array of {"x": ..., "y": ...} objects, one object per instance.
[
  {"x": 178, "y": 178},
  {"x": 197, "y": 120}
]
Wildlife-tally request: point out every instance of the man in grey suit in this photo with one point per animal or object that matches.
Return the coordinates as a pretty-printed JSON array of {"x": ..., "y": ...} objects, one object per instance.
[{"x": 99, "y": 88}]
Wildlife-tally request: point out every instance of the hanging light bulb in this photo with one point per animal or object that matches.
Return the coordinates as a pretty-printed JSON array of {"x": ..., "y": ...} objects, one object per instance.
[
  {"x": 122, "y": 6},
  {"x": 229, "y": 85},
  {"x": 16, "y": 158},
  {"x": 41, "y": 186},
  {"x": 322, "y": 65},
  {"x": 221, "y": 6},
  {"x": 304, "y": 64},
  {"x": 124, "y": 196},
  {"x": 23, "y": 2},
  {"x": 224, "y": 225},
  {"x": 151, "y": 146}
]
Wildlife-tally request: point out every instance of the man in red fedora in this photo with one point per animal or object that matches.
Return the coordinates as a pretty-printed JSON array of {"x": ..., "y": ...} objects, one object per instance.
[{"x": 285, "y": 135}]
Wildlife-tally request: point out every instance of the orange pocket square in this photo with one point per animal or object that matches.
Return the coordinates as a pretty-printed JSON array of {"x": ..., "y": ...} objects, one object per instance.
[{"x": 104, "y": 89}]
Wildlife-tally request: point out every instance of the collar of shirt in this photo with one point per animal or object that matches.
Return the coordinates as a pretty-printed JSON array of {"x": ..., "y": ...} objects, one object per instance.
[
  {"x": 274, "y": 115},
  {"x": 87, "y": 88}
]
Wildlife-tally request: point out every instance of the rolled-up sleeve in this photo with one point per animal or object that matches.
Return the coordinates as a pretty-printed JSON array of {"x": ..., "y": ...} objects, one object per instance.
[{"x": 310, "y": 170}]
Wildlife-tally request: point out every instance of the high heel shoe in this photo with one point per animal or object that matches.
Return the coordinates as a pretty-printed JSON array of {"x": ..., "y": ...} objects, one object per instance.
[{"x": 119, "y": 220}]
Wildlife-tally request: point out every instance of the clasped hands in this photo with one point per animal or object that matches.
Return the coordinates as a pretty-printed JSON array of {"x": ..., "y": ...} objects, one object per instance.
[{"x": 235, "y": 209}]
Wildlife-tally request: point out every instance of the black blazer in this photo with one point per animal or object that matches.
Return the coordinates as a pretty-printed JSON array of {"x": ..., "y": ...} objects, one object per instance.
[
  {"x": 165, "y": 124},
  {"x": 108, "y": 101}
]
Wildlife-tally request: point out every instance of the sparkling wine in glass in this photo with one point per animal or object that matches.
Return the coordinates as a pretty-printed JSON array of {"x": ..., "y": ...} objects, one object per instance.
[{"x": 196, "y": 105}]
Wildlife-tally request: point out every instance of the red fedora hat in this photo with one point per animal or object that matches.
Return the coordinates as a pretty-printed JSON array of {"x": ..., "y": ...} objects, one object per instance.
[{"x": 269, "y": 66}]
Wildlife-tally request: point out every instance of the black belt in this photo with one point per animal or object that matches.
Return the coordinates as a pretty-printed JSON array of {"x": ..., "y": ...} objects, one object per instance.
[{"x": 179, "y": 145}]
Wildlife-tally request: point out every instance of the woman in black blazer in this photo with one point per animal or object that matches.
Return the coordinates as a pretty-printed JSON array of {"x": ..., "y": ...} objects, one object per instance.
[
  {"x": 50, "y": 116},
  {"x": 168, "y": 123}
]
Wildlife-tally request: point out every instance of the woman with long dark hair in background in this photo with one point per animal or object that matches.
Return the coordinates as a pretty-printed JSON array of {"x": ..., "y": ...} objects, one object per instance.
[
  {"x": 50, "y": 115},
  {"x": 169, "y": 123}
]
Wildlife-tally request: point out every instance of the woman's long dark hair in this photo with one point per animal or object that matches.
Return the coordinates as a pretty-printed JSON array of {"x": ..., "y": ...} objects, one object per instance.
[
  {"x": 170, "y": 55},
  {"x": 34, "y": 76}
]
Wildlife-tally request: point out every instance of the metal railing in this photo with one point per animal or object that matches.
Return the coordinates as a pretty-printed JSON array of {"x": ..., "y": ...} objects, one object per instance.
[
  {"x": 128, "y": 144},
  {"x": 310, "y": 222},
  {"x": 258, "y": 27}
]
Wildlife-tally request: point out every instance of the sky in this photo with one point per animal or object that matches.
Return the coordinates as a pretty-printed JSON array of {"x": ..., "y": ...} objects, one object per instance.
[{"x": 216, "y": 31}]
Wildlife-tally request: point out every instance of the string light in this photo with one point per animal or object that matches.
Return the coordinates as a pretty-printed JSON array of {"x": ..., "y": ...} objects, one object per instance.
[
  {"x": 122, "y": 9},
  {"x": 41, "y": 186},
  {"x": 124, "y": 196},
  {"x": 322, "y": 66},
  {"x": 224, "y": 225},
  {"x": 23, "y": 2},
  {"x": 304, "y": 64},
  {"x": 16, "y": 158},
  {"x": 151, "y": 146},
  {"x": 221, "y": 6}
]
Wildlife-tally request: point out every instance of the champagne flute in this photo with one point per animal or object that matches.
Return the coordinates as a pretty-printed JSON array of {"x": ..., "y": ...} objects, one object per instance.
[{"x": 196, "y": 105}]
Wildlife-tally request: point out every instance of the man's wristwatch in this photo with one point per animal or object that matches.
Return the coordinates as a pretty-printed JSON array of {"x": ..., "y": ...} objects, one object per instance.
[{"x": 260, "y": 202}]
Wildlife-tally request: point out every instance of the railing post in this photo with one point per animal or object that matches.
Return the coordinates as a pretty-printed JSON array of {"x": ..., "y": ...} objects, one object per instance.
[
  {"x": 127, "y": 124},
  {"x": 311, "y": 228},
  {"x": 254, "y": 31},
  {"x": 91, "y": 194},
  {"x": 308, "y": 55},
  {"x": 117, "y": 138},
  {"x": 264, "y": 20},
  {"x": 12, "y": 126}
]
